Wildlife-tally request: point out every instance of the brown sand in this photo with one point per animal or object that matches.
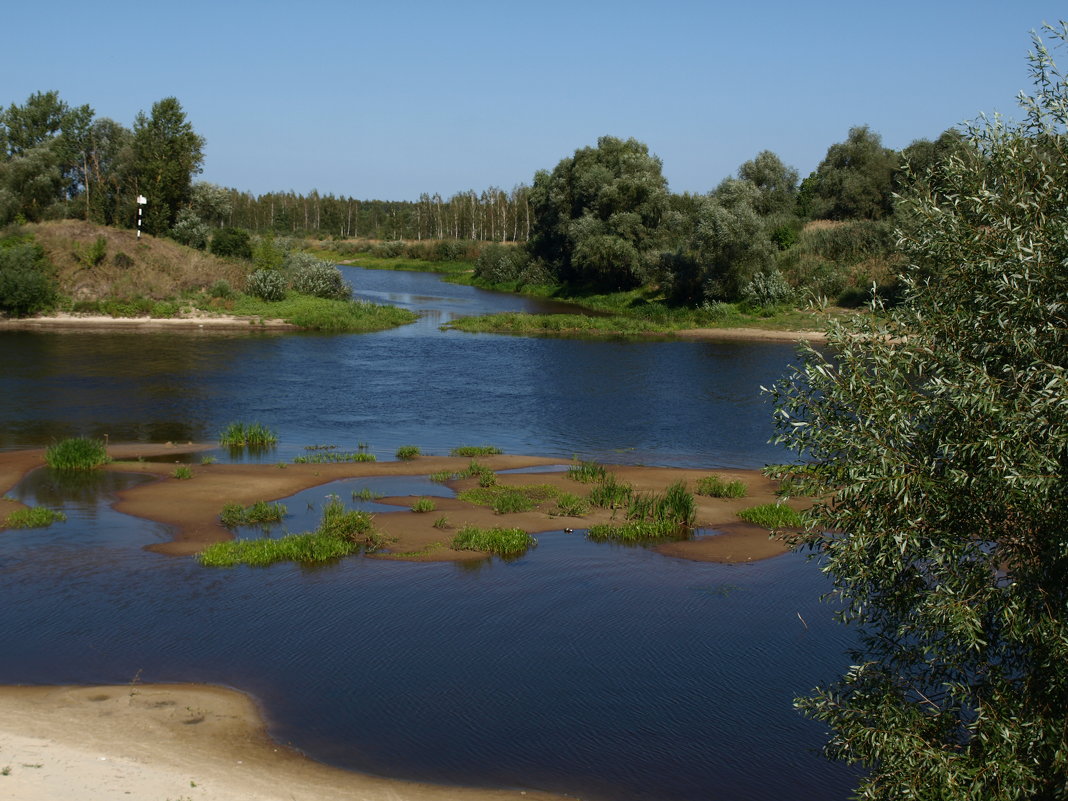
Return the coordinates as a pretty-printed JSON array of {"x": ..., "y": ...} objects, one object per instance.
[
  {"x": 176, "y": 742},
  {"x": 63, "y": 321},
  {"x": 192, "y": 506}
]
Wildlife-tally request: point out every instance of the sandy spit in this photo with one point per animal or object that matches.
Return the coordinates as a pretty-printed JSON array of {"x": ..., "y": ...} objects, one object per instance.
[
  {"x": 148, "y": 742},
  {"x": 63, "y": 321}
]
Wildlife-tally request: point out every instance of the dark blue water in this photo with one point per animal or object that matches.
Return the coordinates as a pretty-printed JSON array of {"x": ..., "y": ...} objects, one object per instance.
[{"x": 602, "y": 671}]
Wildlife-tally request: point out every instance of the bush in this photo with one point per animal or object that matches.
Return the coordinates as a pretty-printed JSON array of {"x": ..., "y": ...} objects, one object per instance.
[
  {"x": 77, "y": 453},
  {"x": 190, "y": 230},
  {"x": 499, "y": 264},
  {"x": 312, "y": 276},
  {"x": 221, "y": 289},
  {"x": 767, "y": 289},
  {"x": 267, "y": 285},
  {"x": 232, "y": 242},
  {"x": 26, "y": 285}
]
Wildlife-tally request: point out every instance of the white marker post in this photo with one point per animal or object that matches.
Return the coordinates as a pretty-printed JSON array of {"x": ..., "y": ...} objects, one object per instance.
[{"x": 141, "y": 201}]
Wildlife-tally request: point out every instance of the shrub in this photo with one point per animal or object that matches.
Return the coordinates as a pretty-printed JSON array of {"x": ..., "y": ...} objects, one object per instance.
[
  {"x": 500, "y": 541},
  {"x": 221, "y": 289},
  {"x": 767, "y": 289},
  {"x": 716, "y": 487},
  {"x": 407, "y": 452},
  {"x": 267, "y": 285},
  {"x": 26, "y": 285},
  {"x": 92, "y": 255},
  {"x": 190, "y": 230},
  {"x": 232, "y": 242},
  {"x": 34, "y": 517},
  {"x": 316, "y": 277},
  {"x": 77, "y": 453},
  {"x": 499, "y": 264}
]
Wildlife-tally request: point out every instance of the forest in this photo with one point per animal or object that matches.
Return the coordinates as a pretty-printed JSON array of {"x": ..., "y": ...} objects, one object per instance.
[{"x": 603, "y": 217}]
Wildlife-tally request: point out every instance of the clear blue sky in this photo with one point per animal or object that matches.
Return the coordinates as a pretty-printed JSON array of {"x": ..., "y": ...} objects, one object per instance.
[{"x": 390, "y": 99}]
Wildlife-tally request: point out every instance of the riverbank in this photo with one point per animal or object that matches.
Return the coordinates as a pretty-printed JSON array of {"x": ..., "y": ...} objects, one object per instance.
[
  {"x": 176, "y": 742},
  {"x": 191, "y": 507}
]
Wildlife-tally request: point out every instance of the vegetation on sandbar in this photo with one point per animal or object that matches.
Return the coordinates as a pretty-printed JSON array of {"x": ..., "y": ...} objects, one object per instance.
[
  {"x": 259, "y": 513},
  {"x": 34, "y": 517},
  {"x": 773, "y": 516},
  {"x": 77, "y": 453},
  {"x": 715, "y": 486},
  {"x": 500, "y": 541},
  {"x": 252, "y": 435}
]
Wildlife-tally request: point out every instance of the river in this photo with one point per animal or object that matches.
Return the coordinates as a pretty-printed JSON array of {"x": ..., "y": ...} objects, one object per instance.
[{"x": 603, "y": 671}]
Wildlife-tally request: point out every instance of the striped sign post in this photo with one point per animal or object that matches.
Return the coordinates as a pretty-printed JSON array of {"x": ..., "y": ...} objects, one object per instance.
[{"x": 141, "y": 201}]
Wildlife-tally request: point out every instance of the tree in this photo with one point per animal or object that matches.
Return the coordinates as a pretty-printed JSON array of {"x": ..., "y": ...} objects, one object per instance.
[
  {"x": 938, "y": 439},
  {"x": 855, "y": 179},
  {"x": 776, "y": 182},
  {"x": 166, "y": 154},
  {"x": 597, "y": 216}
]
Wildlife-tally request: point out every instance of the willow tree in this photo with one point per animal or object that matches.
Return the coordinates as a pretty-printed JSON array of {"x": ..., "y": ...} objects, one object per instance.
[{"x": 936, "y": 436}]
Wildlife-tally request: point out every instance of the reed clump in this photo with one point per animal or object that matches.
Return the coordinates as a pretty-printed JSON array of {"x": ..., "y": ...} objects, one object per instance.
[
  {"x": 77, "y": 453},
  {"x": 500, "y": 541},
  {"x": 611, "y": 493},
  {"x": 587, "y": 472},
  {"x": 258, "y": 514},
  {"x": 247, "y": 435}
]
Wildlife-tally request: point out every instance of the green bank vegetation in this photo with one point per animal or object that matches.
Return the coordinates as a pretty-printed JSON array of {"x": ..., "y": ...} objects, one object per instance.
[
  {"x": 716, "y": 486},
  {"x": 247, "y": 435},
  {"x": 506, "y": 542},
  {"x": 774, "y": 516},
  {"x": 340, "y": 533},
  {"x": 258, "y": 514},
  {"x": 34, "y": 517},
  {"x": 77, "y": 453}
]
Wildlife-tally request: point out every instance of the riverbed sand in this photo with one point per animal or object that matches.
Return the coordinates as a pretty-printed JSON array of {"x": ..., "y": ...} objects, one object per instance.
[
  {"x": 191, "y": 507},
  {"x": 148, "y": 742}
]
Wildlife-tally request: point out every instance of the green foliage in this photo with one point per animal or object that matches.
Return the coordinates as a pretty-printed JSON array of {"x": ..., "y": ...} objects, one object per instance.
[
  {"x": 267, "y": 285},
  {"x": 675, "y": 506},
  {"x": 767, "y": 289},
  {"x": 499, "y": 264},
  {"x": 239, "y": 435},
  {"x": 34, "y": 517},
  {"x": 365, "y": 494},
  {"x": 716, "y": 487},
  {"x": 333, "y": 457},
  {"x": 182, "y": 472},
  {"x": 508, "y": 500},
  {"x": 475, "y": 450},
  {"x": 232, "y": 243},
  {"x": 260, "y": 513},
  {"x": 501, "y": 541},
  {"x": 190, "y": 230},
  {"x": 26, "y": 284},
  {"x": 424, "y": 505},
  {"x": 95, "y": 253},
  {"x": 221, "y": 289},
  {"x": 598, "y": 214},
  {"x": 77, "y": 453},
  {"x": 854, "y": 180},
  {"x": 341, "y": 532},
  {"x": 313, "y": 276},
  {"x": 166, "y": 153},
  {"x": 442, "y": 522},
  {"x": 570, "y": 505},
  {"x": 611, "y": 493},
  {"x": 321, "y": 314},
  {"x": 774, "y": 516},
  {"x": 407, "y": 452},
  {"x": 586, "y": 472},
  {"x": 635, "y": 531},
  {"x": 935, "y": 438}
]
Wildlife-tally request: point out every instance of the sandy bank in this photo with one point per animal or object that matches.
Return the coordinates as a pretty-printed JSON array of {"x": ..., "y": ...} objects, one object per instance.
[
  {"x": 192, "y": 506},
  {"x": 63, "y": 321},
  {"x": 751, "y": 334},
  {"x": 179, "y": 742}
]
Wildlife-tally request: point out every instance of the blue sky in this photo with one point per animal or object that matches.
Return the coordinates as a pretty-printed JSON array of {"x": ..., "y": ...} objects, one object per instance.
[{"x": 388, "y": 100}]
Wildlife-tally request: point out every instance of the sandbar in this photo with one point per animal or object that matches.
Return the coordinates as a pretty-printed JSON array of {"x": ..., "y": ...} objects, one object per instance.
[
  {"x": 150, "y": 742},
  {"x": 191, "y": 507}
]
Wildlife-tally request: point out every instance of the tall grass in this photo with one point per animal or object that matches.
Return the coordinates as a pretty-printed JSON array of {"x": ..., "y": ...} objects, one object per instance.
[
  {"x": 500, "y": 541},
  {"x": 329, "y": 457},
  {"x": 424, "y": 505},
  {"x": 773, "y": 516},
  {"x": 571, "y": 505},
  {"x": 586, "y": 472},
  {"x": 636, "y": 531},
  {"x": 611, "y": 493},
  {"x": 260, "y": 513},
  {"x": 252, "y": 435},
  {"x": 675, "y": 506},
  {"x": 77, "y": 453},
  {"x": 406, "y": 452},
  {"x": 341, "y": 532},
  {"x": 717, "y": 487},
  {"x": 34, "y": 517}
]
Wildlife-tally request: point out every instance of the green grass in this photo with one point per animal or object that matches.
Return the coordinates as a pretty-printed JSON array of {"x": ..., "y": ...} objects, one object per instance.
[
  {"x": 424, "y": 505},
  {"x": 675, "y": 506},
  {"x": 250, "y": 435},
  {"x": 442, "y": 476},
  {"x": 475, "y": 450},
  {"x": 611, "y": 493},
  {"x": 557, "y": 324},
  {"x": 636, "y": 531},
  {"x": 183, "y": 472},
  {"x": 586, "y": 472},
  {"x": 773, "y": 516},
  {"x": 500, "y": 541},
  {"x": 341, "y": 532},
  {"x": 406, "y": 452},
  {"x": 77, "y": 453},
  {"x": 260, "y": 513},
  {"x": 366, "y": 494},
  {"x": 442, "y": 522},
  {"x": 330, "y": 457},
  {"x": 34, "y": 517},
  {"x": 508, "y": 500},
  {"x": 717, "y": 487},
  {"x": 571, "y": 505},
  {"x": 208, "y": 460},
  {"x": 320, "y": 314}
]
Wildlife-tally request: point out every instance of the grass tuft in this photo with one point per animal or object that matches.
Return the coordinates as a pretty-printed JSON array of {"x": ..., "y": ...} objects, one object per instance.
[
  {"x": 330, "y": 457},
  {"x": 500, "y": 541},
  {"x": 586, "y": 472},
  {"x": 717, "y": 487},
  {"x": 773, "y": 516},
  {"x": 424, "y": 505},
  {"x": 252, "y": 435},
  {"x": 182, "y": 472},
  {"x": 571, "y": 505},
  {"x": 77, "y": 453},
  {"x": 260, "y": 513},
  {"x": 611, "y": 493},
  {"x": 475, "y": 450},
  {"x": 636, "y": 531},
  {"x": 34, "y": 517},
  {"x": 366, "y": 494},
  {"x": 407, "y": 452},
  {"x": 442, "y": 522}
]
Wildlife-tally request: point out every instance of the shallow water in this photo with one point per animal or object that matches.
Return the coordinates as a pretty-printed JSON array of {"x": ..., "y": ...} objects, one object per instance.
[{"x": 604, "y": 671}]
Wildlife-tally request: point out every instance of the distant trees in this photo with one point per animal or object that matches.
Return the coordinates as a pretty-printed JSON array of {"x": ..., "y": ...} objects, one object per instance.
[{"x": 855, "y": 180}]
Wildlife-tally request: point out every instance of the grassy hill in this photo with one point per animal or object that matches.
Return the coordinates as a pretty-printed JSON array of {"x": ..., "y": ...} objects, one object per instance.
[{"x": 94, "y": 262}]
